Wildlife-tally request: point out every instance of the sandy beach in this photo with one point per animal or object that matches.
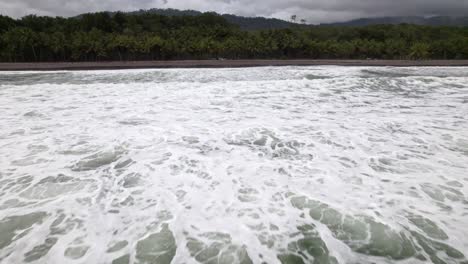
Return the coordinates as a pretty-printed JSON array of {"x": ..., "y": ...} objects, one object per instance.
[{"x": 52, "y": 66}]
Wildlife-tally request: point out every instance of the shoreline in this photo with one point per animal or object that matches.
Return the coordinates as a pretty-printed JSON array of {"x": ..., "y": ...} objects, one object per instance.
[{"x": 116, "y": 65}]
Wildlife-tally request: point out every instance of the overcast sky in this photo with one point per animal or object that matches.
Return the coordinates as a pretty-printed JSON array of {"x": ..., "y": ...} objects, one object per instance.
[{"x": 314, "y": 11}]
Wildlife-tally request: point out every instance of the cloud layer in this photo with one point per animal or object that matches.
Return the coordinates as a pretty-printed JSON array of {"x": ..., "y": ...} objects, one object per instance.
[{"x": 314, "y": 11}]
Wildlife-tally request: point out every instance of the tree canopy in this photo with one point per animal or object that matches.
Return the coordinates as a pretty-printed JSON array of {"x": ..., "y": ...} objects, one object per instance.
[{"x": 147, "y": 36}]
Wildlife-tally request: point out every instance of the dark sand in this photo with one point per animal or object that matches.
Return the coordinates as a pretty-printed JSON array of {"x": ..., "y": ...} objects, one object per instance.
[{"x": 217, "y": 64}]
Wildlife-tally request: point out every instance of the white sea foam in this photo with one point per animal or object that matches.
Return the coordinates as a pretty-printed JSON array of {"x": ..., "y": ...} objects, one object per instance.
[{"x": 258, "y": 165}]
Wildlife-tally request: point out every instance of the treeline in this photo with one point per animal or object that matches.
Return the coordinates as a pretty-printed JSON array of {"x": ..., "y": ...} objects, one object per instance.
[{"x": 119, "y": 36}]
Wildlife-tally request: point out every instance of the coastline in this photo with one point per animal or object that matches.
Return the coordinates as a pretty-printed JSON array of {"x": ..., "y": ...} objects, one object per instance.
[{"x": 115, "y": 65}]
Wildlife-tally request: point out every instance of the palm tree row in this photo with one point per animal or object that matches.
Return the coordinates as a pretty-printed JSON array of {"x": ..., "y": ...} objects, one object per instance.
[{"x": 104, "y": 36}]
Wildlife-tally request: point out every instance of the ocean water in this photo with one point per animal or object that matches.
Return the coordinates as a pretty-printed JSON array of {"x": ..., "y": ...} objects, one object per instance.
[{"x": 273, "y": 165}]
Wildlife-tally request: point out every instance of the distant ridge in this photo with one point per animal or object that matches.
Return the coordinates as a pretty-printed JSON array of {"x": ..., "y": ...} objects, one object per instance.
[
  {"x": 245, "y": 23},
  {"x": 428, "y": 21},
  {"x": 262, "y": 23}
]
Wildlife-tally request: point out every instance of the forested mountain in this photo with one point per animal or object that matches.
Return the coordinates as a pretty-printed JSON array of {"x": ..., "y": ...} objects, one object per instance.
[
  {"x": 245, "y": 23},
  {"x": 258, "y": 23},
  {"x": 150, "y": 36},
  {"x": 416, "y": 20}
]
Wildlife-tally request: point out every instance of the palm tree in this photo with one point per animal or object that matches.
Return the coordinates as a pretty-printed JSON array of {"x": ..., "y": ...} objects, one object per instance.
[
  {"x": 293, "y": 18},
  {"x": 420, "y": 51}
]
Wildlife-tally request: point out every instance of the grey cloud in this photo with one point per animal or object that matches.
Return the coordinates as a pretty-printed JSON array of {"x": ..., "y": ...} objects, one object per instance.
[{"x": 315, "y": 11}]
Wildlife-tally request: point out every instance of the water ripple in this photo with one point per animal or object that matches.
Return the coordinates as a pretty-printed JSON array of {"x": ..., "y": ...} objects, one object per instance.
[{"x": 260, "y": 165}]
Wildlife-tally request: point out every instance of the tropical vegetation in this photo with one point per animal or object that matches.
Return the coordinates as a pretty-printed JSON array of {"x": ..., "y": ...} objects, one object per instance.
[{"x": 146, "y": 36}]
